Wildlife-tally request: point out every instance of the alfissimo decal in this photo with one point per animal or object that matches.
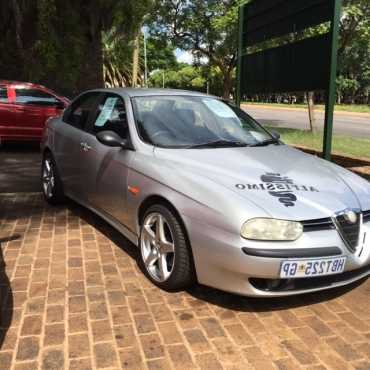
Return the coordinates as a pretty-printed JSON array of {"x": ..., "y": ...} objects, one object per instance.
[{"x": 278, "y": 186}]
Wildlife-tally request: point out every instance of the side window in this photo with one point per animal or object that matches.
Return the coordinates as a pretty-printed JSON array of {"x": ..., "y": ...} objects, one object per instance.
[
  {"x": 3, "y": 95},
  {"x": 79, "y": 111},
  {"x": 34, "y": 97},
  {"x": 111, "y": 115}
]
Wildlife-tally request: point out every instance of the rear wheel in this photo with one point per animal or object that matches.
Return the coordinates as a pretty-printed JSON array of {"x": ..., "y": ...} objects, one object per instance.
[
  {"x": 52, "y": 186},
  {"x": 165, "y": 253}
]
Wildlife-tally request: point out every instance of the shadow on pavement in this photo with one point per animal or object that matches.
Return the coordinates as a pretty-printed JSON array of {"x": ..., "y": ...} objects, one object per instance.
[
  {"x": 252, "y": 304},
  {"x": 107, "y": 230},
  {"x": 20, "y": 167},
  {"x": 6, "y": 296}
]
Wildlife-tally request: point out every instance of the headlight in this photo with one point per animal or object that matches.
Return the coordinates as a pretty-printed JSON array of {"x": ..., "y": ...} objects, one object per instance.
[{"x": 271, "y": 229}]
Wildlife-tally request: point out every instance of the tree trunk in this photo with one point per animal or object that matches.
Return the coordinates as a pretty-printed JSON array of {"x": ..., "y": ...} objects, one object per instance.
[
  {"x": 92, "y": 56},
  {"x": 311, "y": 110},
  {"x": 93, "y": 76},
  {"x": 226, "y": 86},
  {"x": 18, "y": 27}
]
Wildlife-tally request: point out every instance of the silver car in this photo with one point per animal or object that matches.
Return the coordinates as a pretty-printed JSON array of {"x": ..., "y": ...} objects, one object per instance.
[{"x": 208, "y": 194}]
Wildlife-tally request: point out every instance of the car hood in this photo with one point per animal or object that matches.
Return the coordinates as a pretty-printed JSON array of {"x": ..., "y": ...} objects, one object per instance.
[{"x": 282, "y": 181}]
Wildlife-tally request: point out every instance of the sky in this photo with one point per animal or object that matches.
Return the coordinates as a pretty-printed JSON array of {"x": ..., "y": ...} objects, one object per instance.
[
  {"x": 187, "y": 57},
  {"x": 183, "y": 56}
]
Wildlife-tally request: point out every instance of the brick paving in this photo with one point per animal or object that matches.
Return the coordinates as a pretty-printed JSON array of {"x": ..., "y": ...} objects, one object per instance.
[{"x": 72, "y": 297}]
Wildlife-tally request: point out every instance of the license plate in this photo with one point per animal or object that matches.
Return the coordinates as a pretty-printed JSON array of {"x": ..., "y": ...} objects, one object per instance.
[{"x": 313, "y": 267}]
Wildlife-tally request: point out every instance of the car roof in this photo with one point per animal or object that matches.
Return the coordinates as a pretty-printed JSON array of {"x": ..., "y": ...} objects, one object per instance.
[
  {"x": 22, "y": 84},
  {"x": 135, "y": 92}
]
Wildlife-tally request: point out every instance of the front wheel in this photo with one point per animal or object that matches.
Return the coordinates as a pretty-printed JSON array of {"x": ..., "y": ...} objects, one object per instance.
[
  {"x": 165, "y": 254},
  {"x": 52, "y": 187}
]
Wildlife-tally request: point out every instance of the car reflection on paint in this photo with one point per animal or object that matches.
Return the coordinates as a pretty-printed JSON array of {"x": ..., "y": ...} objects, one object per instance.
[{"x": 208, "y": 194}]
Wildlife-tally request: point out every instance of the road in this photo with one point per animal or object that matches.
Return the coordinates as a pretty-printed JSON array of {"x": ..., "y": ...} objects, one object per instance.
[{"x": 355, "y": 125}]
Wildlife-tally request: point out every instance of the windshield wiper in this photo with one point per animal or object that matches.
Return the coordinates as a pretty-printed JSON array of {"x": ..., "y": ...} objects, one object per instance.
[
  {"x": 266, "y": 142},
  {"x": 218, "y": 143}
]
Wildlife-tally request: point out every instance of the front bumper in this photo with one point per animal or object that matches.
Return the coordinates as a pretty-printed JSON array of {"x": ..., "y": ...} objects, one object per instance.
[{"x": 221, "y": 263}]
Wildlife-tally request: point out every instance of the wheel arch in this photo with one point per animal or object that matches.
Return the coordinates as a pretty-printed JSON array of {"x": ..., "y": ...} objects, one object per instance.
[{"x": 155, "y": 199}]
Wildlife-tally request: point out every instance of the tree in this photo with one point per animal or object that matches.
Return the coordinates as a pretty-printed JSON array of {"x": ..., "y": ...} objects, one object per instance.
[
  {"x": 117, "y": 59},
  {"x": 59, "y": 42},
  {"x": 186, "y": 77},
  {"x": 160, "y": 54},
  {"x": 207, "y": 28},
  {"x": 354, "y": 53}
]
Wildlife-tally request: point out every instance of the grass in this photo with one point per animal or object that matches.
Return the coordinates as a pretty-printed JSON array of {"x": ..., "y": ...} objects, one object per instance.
[
  {"x": 357, "y": 108},
  {"x": 341, "y": 144}
]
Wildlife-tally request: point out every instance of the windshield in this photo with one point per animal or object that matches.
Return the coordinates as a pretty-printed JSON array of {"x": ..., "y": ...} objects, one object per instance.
[{"x": 195, "y": 121}]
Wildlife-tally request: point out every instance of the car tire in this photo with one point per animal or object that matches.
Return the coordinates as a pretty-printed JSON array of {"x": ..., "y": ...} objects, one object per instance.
[
  {"x": 171, "y": 271},
  {"x": 52, "y": 187}
]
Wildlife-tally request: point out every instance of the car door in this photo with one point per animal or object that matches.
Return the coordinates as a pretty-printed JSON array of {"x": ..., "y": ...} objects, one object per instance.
[
  {"x": 7, "y": 113},
  {"x": 108, "y": 167},
  {"x": 33, "y": 106},
  {"x": 68, "y": 144}
]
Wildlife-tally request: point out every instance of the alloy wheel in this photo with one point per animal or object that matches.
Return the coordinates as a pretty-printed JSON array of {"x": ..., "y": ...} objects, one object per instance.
[
  {"x": 48, "y": 179},
  {"x": 157, "y": 246}
]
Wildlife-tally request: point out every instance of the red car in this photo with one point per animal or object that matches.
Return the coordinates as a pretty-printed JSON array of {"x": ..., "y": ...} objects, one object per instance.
[{"x": 24, "y": 109}]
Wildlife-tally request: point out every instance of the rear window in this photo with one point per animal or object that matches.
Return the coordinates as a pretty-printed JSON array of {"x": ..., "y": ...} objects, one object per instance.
[
  {"x": 34, "y": 96},
  {"x": 3, "y": 95}
]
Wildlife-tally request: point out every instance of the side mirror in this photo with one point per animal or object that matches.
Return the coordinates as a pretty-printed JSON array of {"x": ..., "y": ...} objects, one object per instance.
[
  {"x": 110, "y": 138},
  {"x": 275, "y": 134}
]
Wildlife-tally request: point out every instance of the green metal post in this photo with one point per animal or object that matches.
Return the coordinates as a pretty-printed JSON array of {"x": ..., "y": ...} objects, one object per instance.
[
  {"x": 239, "y": 55},
  {"x": 330, "y": 96}
]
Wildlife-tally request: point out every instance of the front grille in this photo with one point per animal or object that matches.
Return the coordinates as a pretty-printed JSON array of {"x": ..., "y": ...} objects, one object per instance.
[
  {"x": 349, "y": 232},
  {"x": 318, "y": 224},
  {"x": 366, "y": 216}
]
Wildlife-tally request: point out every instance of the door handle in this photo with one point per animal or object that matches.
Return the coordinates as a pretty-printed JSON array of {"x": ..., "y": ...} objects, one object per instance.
[{"x": 86, "y": 147}]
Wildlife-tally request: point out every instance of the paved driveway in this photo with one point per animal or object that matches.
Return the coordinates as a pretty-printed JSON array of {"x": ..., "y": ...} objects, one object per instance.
[
  {"x": 73, "y": 297},
  {"x": 19, "y": 167}
]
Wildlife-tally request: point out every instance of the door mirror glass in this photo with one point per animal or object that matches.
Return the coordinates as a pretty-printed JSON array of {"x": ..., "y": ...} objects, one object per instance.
[{"x": 110, "y": 138}]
